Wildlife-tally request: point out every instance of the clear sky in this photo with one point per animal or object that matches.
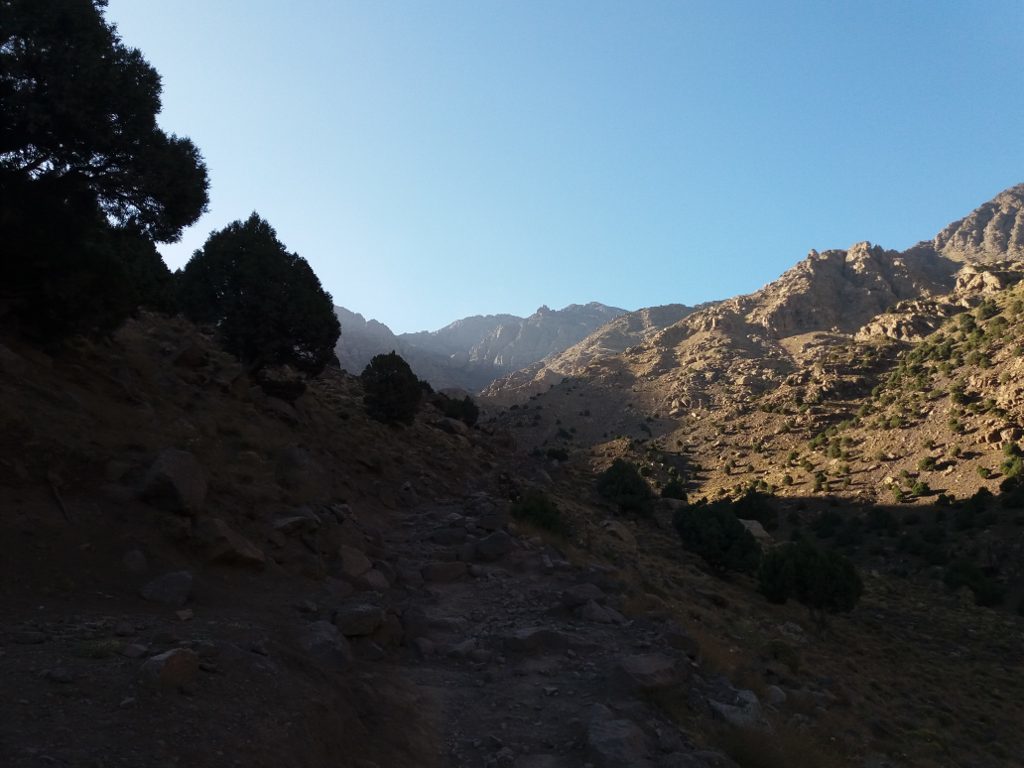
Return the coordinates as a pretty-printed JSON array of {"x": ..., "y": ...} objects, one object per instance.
[{"x": 434, "y": 159}]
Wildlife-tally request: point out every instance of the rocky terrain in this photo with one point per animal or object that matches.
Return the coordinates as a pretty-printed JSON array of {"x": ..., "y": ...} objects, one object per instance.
[
  {"x": 470, "y": 353},
  {"x": 194, "y": 572}
]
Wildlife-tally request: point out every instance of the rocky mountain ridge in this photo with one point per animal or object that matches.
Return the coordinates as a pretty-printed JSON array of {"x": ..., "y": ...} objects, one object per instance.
[
  {"x": 753, "y": 340},
  {"x": 469, "y": 353}
]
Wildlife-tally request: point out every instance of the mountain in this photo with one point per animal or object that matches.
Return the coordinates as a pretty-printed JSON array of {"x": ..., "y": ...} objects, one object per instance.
[
  {"x": 361, "y": 339},
  {"x": 750, "y": 343},
  {"x": 616, "y": 336},
  {"x": 470, "y": 353}
]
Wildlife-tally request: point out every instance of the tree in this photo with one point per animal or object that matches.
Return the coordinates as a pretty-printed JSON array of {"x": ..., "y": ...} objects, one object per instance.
[
  {"x": 79, "y": 108},
  {"x": 823, "y": 580},
  {"x": 267, "y": 305},
  {"x": 88, "y": 181},
  {"x": 622, "y": 484},
  {"x": 392, "y": 390},
  {"x": 714, "y": 532}
]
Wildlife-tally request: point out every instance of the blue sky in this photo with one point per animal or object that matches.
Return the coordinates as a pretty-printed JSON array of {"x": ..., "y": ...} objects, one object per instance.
[{"x": 439, "y": 159}]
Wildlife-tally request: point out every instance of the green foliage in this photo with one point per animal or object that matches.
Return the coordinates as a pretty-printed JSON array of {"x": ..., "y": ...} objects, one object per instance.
[
  {"x": 964, "y": 573},
  {"x": 558, "y": 454},
  {"x": 266, "y": 304},
  {"x": 927, "y": 464},
  {"x": 537, "y": 508},
  {"x": 87, "y": 179},
  {"x": 674, "y": 489},
  {"x": 712, "y": 531},
  {"x": 757, "y": 506},
  {"x": 622, "y": 484},
  {"x": 80, "y": 112},
  {"x": 464, "y": 410},
  {"x": 392, "y": 391},
  {"x": 822, "y": 580},
  {"x": 920, "y": 488}
]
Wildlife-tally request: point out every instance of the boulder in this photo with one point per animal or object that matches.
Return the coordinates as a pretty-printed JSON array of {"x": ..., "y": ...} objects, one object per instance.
[
  {"x": 172, "y": 589},
  {"x": 374, "y": 580},
  {"x": 581, "y": 594},
  {"x": 620, "y": 534},
  {"x": 647, "y": 672},
  {"x": 171, "y": 670},
  {"x": 324, "y": 644},
  {"x": 536, "y": 640},
  {"x": 358, "y": 619},
  {"x": 353, "y": 562},
  {"x": 615, "y": 742},
  {"x": 494, "y": 546},
  {"x": 743, "y": 712},
  {"x": 757, "y": 530},
  {"x": 175, "y": 482},
  {"x": 226, "y": 545}
]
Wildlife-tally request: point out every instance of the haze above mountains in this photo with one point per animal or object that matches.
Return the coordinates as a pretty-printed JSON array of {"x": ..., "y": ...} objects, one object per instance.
[{"x": 842, "y": 291}]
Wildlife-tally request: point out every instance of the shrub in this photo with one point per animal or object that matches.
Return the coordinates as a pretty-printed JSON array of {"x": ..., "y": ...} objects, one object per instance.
[
  {"x": 754, "y": 505},
  {"x": 882, "y": 520},
  {"x": 537, "y": 508},
  {"x": 822, "y": 580},
  {"x": 622, "y": 484},
  {"x": 712, "y": 531},
  {"x": 920, "y": 488},
  {"x": 558, "y": 454},
  {"x": 674, "y": 490},
  {"x": 392, "y": 390},
  {"x": 927, "y": 464},
  {"x": 984, "y": 473},
  {"x": 464, "y": 410},
  {"x": 963, "y": 573}
]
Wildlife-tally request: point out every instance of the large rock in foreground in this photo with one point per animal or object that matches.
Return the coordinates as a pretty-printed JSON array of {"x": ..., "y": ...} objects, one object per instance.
[{"x": 176, "y": 482}]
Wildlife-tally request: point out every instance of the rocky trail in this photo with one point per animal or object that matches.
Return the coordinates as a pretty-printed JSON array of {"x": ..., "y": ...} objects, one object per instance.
[{"x": 527, "y": 659}]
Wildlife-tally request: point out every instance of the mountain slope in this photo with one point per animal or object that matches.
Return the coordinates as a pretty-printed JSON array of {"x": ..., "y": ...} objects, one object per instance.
[
  {"x": 753, "y": 342},
  {"x": 470, "y": 353}
]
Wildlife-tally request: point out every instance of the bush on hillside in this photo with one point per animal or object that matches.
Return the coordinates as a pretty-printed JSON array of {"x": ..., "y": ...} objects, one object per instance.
[
  {"x": 823, "y": 580},
  {"x": 537, "y": 508},
  {"x": 393, "y": 392},
  {"x": 622, "y": 484},
  {"x": 465, "y": 410},
  {"x": 754, "y": 505},
  {"x": 674, "y": 489},
  {"x": 964, "y": 573},
  {"x": 712, "y": 531}
]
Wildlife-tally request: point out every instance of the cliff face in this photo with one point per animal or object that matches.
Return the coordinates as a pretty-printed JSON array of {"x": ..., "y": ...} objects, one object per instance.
[{"x": 992, "y": 232}]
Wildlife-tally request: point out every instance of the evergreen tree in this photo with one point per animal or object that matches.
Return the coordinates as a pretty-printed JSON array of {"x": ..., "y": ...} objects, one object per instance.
[
  {"x": 88, "y": 181},
  {"x": 267, "y": 305},
  {"x": 393, "y": 392}
]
